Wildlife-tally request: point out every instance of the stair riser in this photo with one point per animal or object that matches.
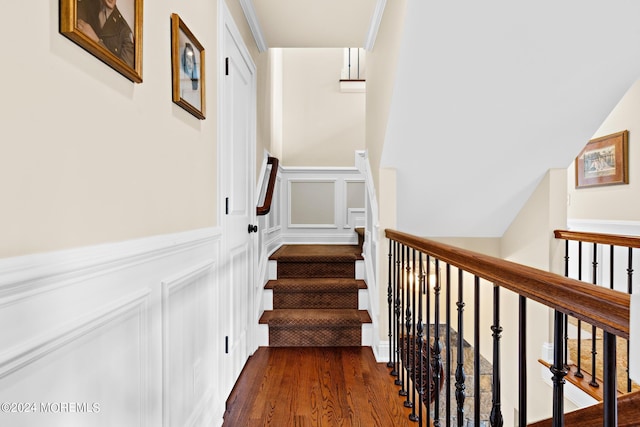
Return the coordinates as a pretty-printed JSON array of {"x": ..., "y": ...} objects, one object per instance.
[
  {"x": 268, "y": 299},
  {"x": 315, "y": 300},
  {"x": 315, "y": 337},
  {"x": 287, "y": 270}
]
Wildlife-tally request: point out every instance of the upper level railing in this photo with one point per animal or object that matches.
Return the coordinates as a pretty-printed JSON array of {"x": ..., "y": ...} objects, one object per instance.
[
  {"x": 604, "y": 260},
  {"x": 425, "y": 342}
]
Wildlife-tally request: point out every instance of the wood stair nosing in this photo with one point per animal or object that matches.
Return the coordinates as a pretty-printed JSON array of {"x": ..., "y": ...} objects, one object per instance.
[
  {"x": 329, "y": 316},
  {"x": 303, "y": 284}
]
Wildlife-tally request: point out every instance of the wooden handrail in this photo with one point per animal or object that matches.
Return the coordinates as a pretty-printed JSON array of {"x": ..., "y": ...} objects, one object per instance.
[
  {"x": 591, "y": 416},
  {"x": 605, "y": 239},
  {"x": 604, "y": 308},
  {"x": 266, "y": 207}
]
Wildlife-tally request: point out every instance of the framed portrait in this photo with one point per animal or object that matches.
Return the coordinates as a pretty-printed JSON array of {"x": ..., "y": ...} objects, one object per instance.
[
  {"x": 187, "y": 68},
  {"x": 604, "y": 161},
  {"x": 111, "y": 30}
]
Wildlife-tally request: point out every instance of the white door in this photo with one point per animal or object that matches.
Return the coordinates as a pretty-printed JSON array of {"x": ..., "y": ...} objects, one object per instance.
[{"x": 237, "y": 168}]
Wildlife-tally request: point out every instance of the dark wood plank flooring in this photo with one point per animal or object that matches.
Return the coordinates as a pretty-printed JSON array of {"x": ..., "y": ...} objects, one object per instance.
[{"x": 315, "y": 386}]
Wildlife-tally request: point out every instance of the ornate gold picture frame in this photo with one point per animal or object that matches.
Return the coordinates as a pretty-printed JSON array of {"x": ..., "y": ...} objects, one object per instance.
[
  {"x": 111, "y": 30},
  {"x": 187, "y": 69}
]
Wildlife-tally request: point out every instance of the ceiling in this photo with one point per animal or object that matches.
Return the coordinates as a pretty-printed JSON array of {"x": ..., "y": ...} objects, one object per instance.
[
  {"x": 313, "y": 23},
  {"x": 490, "y": 95}
]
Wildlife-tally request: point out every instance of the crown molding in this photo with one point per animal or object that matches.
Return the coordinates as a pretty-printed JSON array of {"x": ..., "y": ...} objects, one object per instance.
[
  {"x": 374, "y": 26},
  {"x": 254, "y": 24}
]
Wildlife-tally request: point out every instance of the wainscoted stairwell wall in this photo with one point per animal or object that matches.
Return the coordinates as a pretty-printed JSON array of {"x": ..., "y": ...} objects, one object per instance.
[{"x": 123, "y": 334}]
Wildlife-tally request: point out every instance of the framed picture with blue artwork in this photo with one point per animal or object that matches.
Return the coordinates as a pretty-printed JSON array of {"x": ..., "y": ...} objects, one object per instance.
[{"x": 187, "y": 68}]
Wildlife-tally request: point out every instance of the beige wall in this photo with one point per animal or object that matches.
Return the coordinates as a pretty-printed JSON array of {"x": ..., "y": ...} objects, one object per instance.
[
  {"x": 529, "y": 240},
  {"x": 320, "y": 125},
  {"x": 89, "y": 157},
  {"x": 381, "y": 70},
  {"x": 618, "y": 202}
]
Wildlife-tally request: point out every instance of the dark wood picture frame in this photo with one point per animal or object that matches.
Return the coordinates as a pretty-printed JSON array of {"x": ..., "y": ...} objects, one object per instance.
[
  {"x": 604, "y": 161},
  {"x": 114, "y": 42},
  {"x": 187, "y": 69}
]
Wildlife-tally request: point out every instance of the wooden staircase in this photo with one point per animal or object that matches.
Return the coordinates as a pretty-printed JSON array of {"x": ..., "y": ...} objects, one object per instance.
[{"x": 315, "y": 297}]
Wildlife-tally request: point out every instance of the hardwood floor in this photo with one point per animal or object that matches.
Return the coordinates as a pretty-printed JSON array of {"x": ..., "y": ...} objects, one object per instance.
[{"x": 315, "y": 386}]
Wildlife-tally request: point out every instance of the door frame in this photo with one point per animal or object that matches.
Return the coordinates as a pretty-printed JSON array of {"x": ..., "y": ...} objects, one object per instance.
[{"x": 226, "y": 22}]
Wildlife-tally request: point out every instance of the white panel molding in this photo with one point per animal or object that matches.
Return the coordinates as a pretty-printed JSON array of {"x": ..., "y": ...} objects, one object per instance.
[
  {"x": 314, "y": 226},
  {"x": 629, "y": 228},
  {"x": 170, "y": 286},
  {"x": 186, "y": 277},
  {"x": 254, "y": 24},
  {"x": 381, "y": 351},
  {"x": 201, "y": 411},
  {"x": 312, "y": 237},
  {"x": 52, "y": 340},
  {"x": 374, "y": 26},
  {"x": 370, "y": 248},
  {"x": 29, "y": 275},
  {"x": 355, "y": 218},
  {"x": 336, "y": 190}
]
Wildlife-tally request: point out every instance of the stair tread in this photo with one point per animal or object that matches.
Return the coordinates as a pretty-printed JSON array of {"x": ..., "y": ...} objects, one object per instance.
[
  {"x": 317, "y": 253},
  {"x": 314, "y": 317},
  {"x": 316, "y": 285}
]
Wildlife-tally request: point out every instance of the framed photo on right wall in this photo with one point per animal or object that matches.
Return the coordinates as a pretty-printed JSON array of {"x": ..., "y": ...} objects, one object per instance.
[
  {"x": 604, "y": 161},
  {"x": 187, "y": 68}
]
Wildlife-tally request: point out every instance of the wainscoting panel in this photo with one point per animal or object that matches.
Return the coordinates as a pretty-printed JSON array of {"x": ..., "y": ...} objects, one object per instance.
[
  {"x": 188, "y": 351},
  {"x": 121, "y": 334},
  {"x": 316, "y": 203}
]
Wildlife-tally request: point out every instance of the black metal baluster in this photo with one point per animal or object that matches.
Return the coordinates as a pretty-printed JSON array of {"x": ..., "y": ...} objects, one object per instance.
[
  {"x": 390, "y": 306},
  {"x": 408, "y": 338},
  {"x": 427, "y": 366},
  {"x": 476, "y": 351},
  {"x": 630, "y": 290},
  {"x": 594, "y": 352},
  {"x": 396, "y": 371},
  {"x": 405, "y": 338},
  {"x": 559, "y": 371},
  {"x": 566, "y": 316},
  {"x": 496, "y": 413},
  {"x": 437, "y": 348},
  {"x": 411, "y": 339},
  {"x": 522, "y": 361},
  {"x": 419, "y": 377},
  {"x": 578, "y": 373},
  {"x": 609, "y": 372},
  {"x": 460, "y": 374},
  {"x": 414, "y": 289},
  {"x": 447, "y": 371},
  {"x": 611, "y": 269}
]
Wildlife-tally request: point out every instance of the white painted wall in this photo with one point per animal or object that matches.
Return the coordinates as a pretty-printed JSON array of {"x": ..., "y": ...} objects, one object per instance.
[{"x": 320, "y": 125}]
